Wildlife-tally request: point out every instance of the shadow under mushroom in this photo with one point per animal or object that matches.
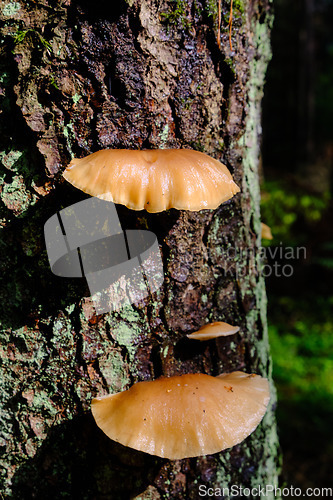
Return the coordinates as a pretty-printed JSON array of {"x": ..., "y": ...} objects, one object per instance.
[{"x": 77, "y": 457}]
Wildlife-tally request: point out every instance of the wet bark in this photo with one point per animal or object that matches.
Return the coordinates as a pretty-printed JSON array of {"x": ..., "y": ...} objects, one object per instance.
[{"x": 78, "y": 76}]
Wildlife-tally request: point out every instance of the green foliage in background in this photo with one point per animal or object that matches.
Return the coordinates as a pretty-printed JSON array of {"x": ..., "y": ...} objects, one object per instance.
[
  {"x": 301, "y": 336},
  {"x": 301, "y": 331},
  {"x": 301, "y": 339},
  {"x": 291, "y": 212}
]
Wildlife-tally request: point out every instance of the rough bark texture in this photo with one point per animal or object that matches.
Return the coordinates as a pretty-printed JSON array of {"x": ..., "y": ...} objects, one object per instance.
[{"x": 78, "y": 76}]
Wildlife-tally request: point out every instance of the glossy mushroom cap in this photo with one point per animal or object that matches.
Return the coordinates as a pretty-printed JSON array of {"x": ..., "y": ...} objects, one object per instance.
[
  {"x": 154, "y": 180},
  {"x": 213, "y": 330},
  {"x": 266, "y": 232},
  {"x": 184, "y": 416}
]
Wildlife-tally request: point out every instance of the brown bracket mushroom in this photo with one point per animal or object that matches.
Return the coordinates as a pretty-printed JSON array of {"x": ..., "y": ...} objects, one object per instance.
[
  {"x": 214, "y": 330},
  {"x": 154, "y": 180},
  {"x": 184, "y": 416},
  {"x": 266, "y": 232}
]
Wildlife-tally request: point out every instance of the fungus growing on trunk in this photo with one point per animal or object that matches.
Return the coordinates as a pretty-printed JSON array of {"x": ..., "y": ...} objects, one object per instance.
[
  {"x": 266, "y": 232},
  {"x": 154, "y": 180},
  {"x": 214, "y": 330},
  {"x": 184, "y": 416}
]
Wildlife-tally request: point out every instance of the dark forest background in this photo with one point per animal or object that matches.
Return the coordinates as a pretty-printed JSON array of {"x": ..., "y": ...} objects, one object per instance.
[{"x": 297, "y": 179}]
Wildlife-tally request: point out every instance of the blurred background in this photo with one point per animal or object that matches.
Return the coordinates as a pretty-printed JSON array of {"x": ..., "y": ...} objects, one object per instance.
[{"x": 297, "y": 182}]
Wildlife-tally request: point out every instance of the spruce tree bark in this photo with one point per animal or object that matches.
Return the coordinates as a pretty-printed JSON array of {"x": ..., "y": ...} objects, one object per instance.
[{"x": 78, "y": 76}]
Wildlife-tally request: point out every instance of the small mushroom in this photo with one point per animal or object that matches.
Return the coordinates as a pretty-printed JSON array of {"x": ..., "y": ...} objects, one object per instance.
[
  {"x": 266, "y": 232},
  {"x": 213, "y": 330},
  {"x": 154, "y": 180},
  {"x": 184, "y": 416}
]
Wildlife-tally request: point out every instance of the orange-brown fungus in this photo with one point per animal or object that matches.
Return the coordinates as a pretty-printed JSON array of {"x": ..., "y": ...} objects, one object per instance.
[
  {"x": 266, "y": 232},
  {"x": 213, "y": 330},
  {"x": 154, "y": 180},
  {"x": 184, "y": 416}
]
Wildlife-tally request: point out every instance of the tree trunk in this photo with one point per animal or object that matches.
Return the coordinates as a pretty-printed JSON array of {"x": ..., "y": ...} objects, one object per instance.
[{"x": 78, "y": 76}]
